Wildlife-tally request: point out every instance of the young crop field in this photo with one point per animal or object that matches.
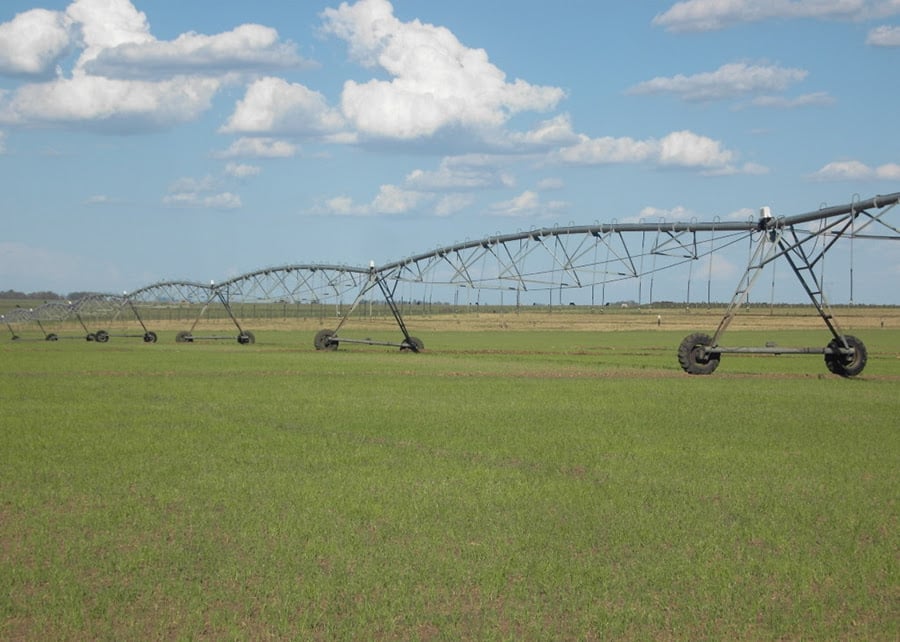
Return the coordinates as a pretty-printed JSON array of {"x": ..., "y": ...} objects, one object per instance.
[{"x": 527, "y": 476}]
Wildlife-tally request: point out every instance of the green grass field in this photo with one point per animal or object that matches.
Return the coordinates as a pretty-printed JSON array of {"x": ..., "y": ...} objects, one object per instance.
[{"x": 504, "y": 484}]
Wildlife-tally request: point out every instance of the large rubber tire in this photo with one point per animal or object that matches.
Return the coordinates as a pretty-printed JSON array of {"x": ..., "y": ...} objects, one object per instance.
[
  {"x": 413, "y": 345},
  {"x": 843, "y": 364},
  {"x": 90, "y": 337},
  {"x": 246, "y": 338},
  {"x": 150, "y": 337},
  {"x": 693, "y": 359},
  {"x": 325, "y": 340},
  {"x": 102, "y": 336},
  {"x": 184, "y": 337},
  {"x": 52, "y": 337}
]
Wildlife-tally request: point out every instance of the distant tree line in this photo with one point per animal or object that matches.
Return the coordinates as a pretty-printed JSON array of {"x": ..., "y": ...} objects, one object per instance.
[{"x": 43, "y": 296}]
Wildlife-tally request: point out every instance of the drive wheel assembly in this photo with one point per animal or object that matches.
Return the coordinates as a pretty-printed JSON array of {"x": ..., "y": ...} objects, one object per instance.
[
  {"x": 414, "y": 344},
  {"x": 325, "y": 340},
  {"x": 693, "y": 356},
  {"x": 846, "y": 365}
]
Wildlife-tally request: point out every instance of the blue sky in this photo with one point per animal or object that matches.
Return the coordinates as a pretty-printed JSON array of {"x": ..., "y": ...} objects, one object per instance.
[{"x": 144, "y": 141}]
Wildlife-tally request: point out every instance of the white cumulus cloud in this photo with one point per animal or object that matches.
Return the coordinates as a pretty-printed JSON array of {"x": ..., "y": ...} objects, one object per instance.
[
  {"x": 389, "y": 200},
  {"x": 677, "y": 149},
  {"x": 606, "y": 149},
  {"x": 124, "y": 79},
  {"x": 394, "y": 200},
  {"x": 552, "y": 132},
  {"x": 687, "y": 149},
  {"x": 33, "y": 41},
  {"x": 273, "y": 105},
  {"x": 437, "y": 82},
  {"x": 109, "y": 104},
  {"x": 247, "y": 48},
  {"x": 104, "y": 24}
]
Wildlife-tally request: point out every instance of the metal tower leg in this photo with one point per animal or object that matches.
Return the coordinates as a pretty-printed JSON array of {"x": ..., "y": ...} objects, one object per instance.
[
  {"x": 845, "y": 355},
  {"x": 329, "y": 339},
  {"x": 244, "y": 336},
  {"x": 762, "y": 256}
]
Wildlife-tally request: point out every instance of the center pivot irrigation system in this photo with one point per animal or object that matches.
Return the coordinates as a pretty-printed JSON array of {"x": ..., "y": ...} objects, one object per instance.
[
  {"x": 542, "y": 263},
  {"x": 88, "y": 309},
  {"x": 587, "y": 256}
]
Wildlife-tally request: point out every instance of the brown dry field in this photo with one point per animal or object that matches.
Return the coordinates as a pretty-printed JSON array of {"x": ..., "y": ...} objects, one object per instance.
[{"x": 564, "y": 319}]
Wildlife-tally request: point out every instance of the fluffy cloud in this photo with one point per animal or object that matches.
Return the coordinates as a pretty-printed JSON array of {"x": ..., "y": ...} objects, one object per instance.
[
  {"x": 884, "y": 37},
  {"x": 394, "y": 200},
  {"x": 437, "y": 83},
  {"x": 263, "y": 147},
  {"x": 687, "y": 149},
  {"x": 553, "y": 132},
  {"x": 124, "y": 79},
  {"x": 682, "y": 149},
  {"x": 389, "y": 200},
  {"x": 854, "y": 170},
  {"x": 711, "y": 15},
  {"x": 595, "y": 151},
  {"x": 678, "y": 149},
  {"x": 272, "y": 105},
  {"x": 109, "y": 104},
  {"x": 728, "y": 81},
  {"x": 104, "y": 24},
  {"x": 32, "y": 42},
  {"x": 248, "y": 48}
]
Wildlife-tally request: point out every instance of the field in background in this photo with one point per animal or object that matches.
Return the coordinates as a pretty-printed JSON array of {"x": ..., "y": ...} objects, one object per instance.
[
  {"x": 424, "y": 318},
  {"x": 532, "y": 475}
]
